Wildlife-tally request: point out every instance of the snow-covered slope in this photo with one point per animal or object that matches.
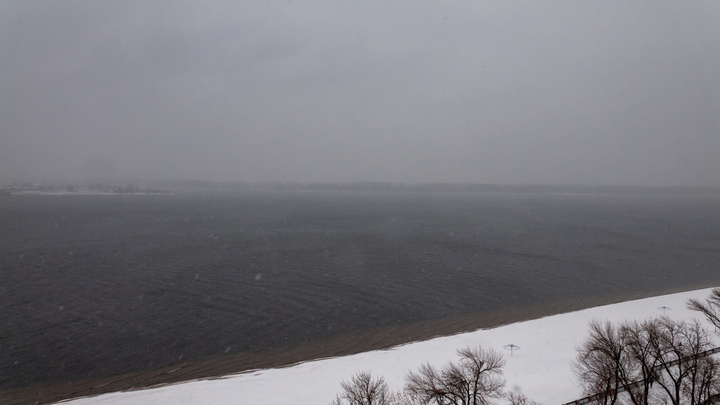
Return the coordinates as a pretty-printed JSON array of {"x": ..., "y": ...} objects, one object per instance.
[{"x": 540, "y": 370}]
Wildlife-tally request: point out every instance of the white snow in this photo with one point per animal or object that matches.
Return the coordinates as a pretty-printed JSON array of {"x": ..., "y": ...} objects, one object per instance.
[{"x": 540, "y": 369}]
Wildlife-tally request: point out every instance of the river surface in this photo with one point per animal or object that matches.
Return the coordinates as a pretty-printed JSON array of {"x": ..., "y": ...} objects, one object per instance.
[{"x": 93, "y": 286}]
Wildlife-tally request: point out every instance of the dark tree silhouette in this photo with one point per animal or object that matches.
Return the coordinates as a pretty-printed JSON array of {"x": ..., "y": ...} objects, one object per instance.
[
  {"x": 475, "y": 380},
  {"x": 710, "y": 308},
  {"x": 640, "y": 339},
  {"x": 362, "y": 389},
  {"x": 601, "y": 362},
  {"x": 679, "y": 345},
  {"x": 515, "y": 398},
  {"x": 621, "y": 364}
]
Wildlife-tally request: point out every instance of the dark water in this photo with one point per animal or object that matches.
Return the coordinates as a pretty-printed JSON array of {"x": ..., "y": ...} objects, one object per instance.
[{"x": 99, "y": 285}]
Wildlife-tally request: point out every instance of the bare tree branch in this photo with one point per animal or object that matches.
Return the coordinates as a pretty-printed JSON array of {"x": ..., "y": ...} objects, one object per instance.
[
  {"x": 362, "y": 389},
  {"x": 710, "y": 308},
  {"x": 516, "y": 398},
  {"x": 621, "y": 364},
  {"x": 474, "y": 380}
]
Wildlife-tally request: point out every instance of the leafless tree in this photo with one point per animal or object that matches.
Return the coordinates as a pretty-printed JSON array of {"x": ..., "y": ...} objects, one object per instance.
[
  {"x": 516, "y": 398},
  {"x": 710, "y": 308},
  {"x": 703, "y": 384},
  {"x": 362, "y": 389},
  {"x": 475, "y": 380},
  {"x": 640, "y": 340},
  {"x": 621, "y": 364},
  {"x": 678, "y": 349},
  {"x": 601, "y": 363}
]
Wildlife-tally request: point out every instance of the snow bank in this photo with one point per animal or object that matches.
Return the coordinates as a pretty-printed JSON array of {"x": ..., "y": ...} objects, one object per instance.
[{"x": 540, "y": 370}]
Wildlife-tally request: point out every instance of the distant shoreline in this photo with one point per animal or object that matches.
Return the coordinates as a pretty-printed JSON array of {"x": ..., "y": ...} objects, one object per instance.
[
  {"x": 470, "y": 188},
  {"x": 190, "y": 186},
  {"x": 378, "y": 339},
  {"x": 34, "y": 192}
]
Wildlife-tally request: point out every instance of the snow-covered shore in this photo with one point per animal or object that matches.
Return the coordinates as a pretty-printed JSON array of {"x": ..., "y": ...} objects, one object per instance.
[{"x": 539, "y": 370}]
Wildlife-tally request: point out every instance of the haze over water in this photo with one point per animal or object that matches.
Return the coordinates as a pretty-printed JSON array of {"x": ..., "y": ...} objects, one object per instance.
[
  {"x": 469, "y": 91},
  {"x": 101, "y": 285}
]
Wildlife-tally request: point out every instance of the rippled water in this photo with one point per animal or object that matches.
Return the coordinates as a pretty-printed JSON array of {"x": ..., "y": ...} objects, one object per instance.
[{"x": 100, "y": 285}]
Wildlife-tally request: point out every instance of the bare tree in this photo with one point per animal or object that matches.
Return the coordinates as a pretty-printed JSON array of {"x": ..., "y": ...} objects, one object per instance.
[
  {"x": 601, "y": 363},
  {"x": 703, "y": 384},
  {"x": 475, "y": 380},
  {"x": 362, "y": 389},
  {"x": 678, "y": 350},
  {"x": 621, "y": 364},
  {"x": 710, "y": 308},
  {"x": 640, "y": 340},
  {"x": 516, "y": 398}
]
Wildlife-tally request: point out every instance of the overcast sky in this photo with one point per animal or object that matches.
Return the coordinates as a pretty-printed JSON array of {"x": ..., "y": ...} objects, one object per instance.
[{"x": 593, "y": 92}]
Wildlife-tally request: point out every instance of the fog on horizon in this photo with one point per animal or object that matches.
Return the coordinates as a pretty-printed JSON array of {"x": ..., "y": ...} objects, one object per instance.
[{"x": 552, "y": 92}]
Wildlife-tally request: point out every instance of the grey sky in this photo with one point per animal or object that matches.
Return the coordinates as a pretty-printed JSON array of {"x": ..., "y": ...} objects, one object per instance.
[{"x": 465, "y": 91}]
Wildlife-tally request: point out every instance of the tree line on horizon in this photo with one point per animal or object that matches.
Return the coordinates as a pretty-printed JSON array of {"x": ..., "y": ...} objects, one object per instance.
[
  {"x": 452, "y": 187},
  {"x": 651, "y": 362}
]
